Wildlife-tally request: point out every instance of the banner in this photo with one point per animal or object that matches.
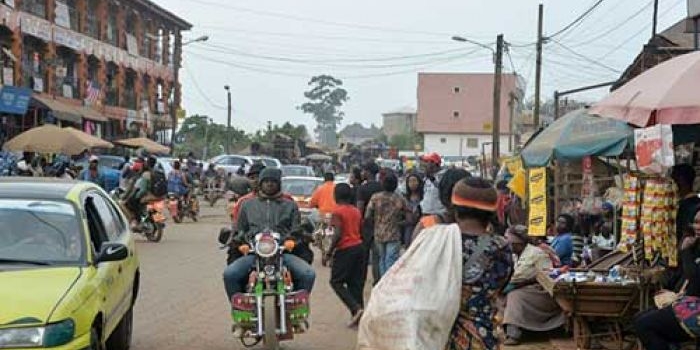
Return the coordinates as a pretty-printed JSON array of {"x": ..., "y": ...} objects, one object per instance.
[{"x": 537, "y": 219}]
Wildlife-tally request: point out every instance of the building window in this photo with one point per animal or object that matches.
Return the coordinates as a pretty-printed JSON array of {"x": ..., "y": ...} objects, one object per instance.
[
  {"x": 129, "y": 90},
  {"x": 33, "y": 64},
  {"x": 472, "y": 142},
  {"x": 93, "y": 26},
  {"x": 112, "y": 92},
  {"x": 443, "y": 140},
  {"x": 455, "y": 114},
  {"x": 35, "y": 7},
  {"x": 112, "y": 30},
  {"x": 456, "y": 89},
  {"x": 65, "y": 73}
]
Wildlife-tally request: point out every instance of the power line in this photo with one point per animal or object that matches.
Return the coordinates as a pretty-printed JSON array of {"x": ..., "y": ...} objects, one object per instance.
[
  {"x": 586, "y": 58},
  {"x": 199, "y": 89},
  {"x": 342, "y": 60},
  {"x": 578, "y": 19},
  {"x": 616, "y": 26},
  {"x": 315, "y": 20}
]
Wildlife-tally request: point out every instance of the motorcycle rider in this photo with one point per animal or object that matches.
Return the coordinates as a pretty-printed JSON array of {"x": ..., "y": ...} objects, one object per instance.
[
  {"x": 178, "y": 182},
  {"x": 140, "y": 193},
  {"x": 268, "y": 211}
]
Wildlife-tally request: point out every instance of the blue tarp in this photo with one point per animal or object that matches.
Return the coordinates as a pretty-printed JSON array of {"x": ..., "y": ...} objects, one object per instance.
[
  {"x": 14, "y": 100},
  {"x": 576, "y": 135}
]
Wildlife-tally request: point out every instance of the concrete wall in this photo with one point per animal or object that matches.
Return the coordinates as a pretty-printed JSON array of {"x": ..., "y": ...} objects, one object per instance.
[{"x": 451, "y": 144}]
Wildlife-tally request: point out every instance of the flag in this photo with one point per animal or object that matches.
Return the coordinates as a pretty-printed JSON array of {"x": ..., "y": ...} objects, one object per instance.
[{"x": 93, "y": 93}]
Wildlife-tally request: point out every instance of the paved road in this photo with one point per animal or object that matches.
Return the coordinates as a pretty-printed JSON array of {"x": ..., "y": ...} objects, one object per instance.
[{"x": 182, "y": 303}]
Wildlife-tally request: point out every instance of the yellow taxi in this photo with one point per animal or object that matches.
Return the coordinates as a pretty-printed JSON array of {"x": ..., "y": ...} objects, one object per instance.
[{"x": 69, "y": 273}]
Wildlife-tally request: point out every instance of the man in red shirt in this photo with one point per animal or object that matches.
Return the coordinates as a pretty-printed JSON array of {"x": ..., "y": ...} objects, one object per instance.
[{"x": 347, "y": 273}]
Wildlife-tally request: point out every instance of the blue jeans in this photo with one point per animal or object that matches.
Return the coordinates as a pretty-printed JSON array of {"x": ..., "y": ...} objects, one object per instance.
[
  {"x": 236, "y": 274},
  {"x": 388, "y": 254}
]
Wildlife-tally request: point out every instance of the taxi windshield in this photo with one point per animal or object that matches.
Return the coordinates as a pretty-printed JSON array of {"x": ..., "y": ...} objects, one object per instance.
[{"x": 40, "y": 232}]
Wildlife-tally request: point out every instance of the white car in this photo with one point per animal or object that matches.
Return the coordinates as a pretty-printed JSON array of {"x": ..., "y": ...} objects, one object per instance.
[{"x": 232, "y": 162}]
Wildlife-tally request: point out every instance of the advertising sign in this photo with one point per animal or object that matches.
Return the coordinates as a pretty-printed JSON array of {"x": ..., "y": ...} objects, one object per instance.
[
  {"x": 14, "y": 100},
  {"x": 537, "y": 218}
]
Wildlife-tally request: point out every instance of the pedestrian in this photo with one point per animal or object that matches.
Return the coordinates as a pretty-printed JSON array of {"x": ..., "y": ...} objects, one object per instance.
[
  {"x": 388, "y": 211},
  {"x": 660, "y": 329},
  {"x": 487, "y": 264},
  {"x": 93, "y": 173},
  {"x": 323, "y": 197},
  {"x": 414, "y": 195},
  {"x": 369, "y": 187},
  {"x": 355, "y": 182},
  {"x": 431, "y": 205},
  {"x": 563, "y": 243},
  {"x": 447, "y": 184},
  {"x": 347, "y": 253}
]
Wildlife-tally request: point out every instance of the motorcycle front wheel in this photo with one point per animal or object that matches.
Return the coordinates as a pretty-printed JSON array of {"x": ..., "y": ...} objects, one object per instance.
[
  {"x": 155, "y": 235},
  {"x": 270, "y": 339}
]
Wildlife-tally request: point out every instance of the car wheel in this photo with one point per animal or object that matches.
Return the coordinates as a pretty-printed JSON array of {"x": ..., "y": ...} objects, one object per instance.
[
  {"x": 121, "y": 337},
  {"x": 95, "y": 340}
]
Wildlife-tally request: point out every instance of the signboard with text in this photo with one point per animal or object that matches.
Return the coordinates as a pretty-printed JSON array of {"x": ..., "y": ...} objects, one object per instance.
[{"x": 14, "y": 100}]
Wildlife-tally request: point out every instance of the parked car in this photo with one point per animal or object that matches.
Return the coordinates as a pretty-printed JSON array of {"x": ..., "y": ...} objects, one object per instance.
[
  {"x": 231, "y": 162},
  {"x": 301, "y": 188},
  {"x": 69, "y": 269},
  {"x": 298, "y": 170}
]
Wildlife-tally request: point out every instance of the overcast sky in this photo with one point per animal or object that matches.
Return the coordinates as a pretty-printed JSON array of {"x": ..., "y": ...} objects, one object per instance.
[{"x": 267, "y": 50}]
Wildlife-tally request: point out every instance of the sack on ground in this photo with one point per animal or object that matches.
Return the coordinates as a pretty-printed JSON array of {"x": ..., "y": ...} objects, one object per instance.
[{"x": 415, "y": 304}]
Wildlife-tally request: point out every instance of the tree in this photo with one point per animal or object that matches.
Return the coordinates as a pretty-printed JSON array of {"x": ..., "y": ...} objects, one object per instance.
[
  {"x": 197, "y": 133},
  {"x": 325, "y": 99},
  {"x": 406, "y": 142}
]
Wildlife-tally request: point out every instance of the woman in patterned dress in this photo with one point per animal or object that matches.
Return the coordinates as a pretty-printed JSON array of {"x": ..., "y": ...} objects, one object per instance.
[{"x": 488, "y": 265}]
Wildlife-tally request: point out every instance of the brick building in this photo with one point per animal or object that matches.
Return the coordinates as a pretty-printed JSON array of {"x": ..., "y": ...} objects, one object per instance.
[{"x": 103, "y": 66}]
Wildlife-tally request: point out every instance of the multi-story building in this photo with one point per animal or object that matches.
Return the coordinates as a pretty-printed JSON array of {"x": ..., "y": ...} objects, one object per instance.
[
  {"x": 399, "y": 122},
  {"x": 455, "y": 112},
  {"x": 103, "y": 66}
]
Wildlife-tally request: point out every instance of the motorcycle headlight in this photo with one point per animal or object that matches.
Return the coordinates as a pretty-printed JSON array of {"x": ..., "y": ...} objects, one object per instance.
[
  {"x": 52, "y": 335},
  {"x": 266, "y": 247}
]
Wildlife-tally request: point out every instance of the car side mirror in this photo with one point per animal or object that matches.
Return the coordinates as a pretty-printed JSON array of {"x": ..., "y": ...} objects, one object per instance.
[
  {"x": 112, "y": 252},
  {"x": 225, "y": 235}
]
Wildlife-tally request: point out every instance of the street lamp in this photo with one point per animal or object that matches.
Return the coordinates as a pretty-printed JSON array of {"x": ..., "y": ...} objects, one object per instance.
[
  {"x": 498, "y": 68},
  {"x": 176, "y": 89},
  {"x": 228, "y": 121}
]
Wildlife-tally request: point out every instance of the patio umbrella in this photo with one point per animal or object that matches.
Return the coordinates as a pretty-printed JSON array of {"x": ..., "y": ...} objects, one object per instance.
[
  {"x": 319, "y": 157},
  {"x": 575, "y": 135},
  {"x": 50, "y": 138},
  {"x": 87, "y": 139},
  {"x": 665, "y": 94},
  {"x": 147, "y": 144}
]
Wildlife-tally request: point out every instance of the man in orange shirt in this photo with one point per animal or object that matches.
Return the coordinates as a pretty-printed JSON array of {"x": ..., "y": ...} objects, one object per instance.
[{"x": 323, "y": 198}]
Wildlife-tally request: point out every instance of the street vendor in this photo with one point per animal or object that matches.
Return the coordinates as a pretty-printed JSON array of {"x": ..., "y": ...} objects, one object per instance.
[
  {"x": 659, "y": 329},
  {"x": 563, "y": 242},
  {"x": 528, "y": 305}
]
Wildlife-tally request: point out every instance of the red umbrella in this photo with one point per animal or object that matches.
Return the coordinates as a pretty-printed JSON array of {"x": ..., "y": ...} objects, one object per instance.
[{"x": 666, "y": 94}]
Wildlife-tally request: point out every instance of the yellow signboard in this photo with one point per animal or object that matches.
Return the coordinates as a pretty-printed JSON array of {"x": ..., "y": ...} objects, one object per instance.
[
  {"x": 181, "y": 114},
  {"x": 513, "y": 164},
  {"x": 537, "y": 218},
  {"x": 488, "y": 126}
]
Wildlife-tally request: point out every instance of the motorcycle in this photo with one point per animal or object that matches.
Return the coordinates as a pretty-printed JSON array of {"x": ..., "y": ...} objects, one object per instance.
[
  {"x": 151, "y": 220},
  {"x": 323, "y": 234},
  {"x": 180, "y": 206},
  {"x": 213, "y": 191},
  {"x": 270, "y": 311}
]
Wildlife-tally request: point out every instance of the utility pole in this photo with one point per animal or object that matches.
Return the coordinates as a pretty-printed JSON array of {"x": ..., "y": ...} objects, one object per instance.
[
  {"x": 495, "y": 148},
  {"x": 228, "y": 121},
  {"x": 538, "y": 70},
  {"x": 655, "y": 20}
]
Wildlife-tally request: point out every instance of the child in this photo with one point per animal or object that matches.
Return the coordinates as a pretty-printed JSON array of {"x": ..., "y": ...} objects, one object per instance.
[{"x": 347, "y": 253}]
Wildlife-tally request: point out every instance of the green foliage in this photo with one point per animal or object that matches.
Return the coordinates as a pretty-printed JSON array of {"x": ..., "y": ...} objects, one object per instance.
[
  {"x": 325, "y": 99},
  {"x": 297, "y": 132},
  {"x": 405, "y": 142},
  {"x": 196, "y": 132}
]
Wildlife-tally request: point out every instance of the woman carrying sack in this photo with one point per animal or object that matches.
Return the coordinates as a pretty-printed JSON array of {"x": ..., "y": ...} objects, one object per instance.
[
  {"x": 487, "y": 266},
  {"x": 680, "y": 321}
]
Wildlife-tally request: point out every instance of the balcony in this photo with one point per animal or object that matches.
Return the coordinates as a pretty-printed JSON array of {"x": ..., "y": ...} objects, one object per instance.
[{"x": 35, "y": 7}]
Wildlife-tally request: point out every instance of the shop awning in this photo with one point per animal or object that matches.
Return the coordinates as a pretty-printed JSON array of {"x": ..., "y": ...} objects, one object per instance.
[
  {"x": 91, "y": 114},
  {"x": 59, "y": 109}
]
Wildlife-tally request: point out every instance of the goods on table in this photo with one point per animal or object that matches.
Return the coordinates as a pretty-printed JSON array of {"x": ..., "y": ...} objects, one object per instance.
[{"x": 658, "y": 220}]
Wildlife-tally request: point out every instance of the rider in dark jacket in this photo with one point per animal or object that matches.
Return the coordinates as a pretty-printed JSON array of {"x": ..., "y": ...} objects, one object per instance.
[{"x": 270, "y": 211}]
